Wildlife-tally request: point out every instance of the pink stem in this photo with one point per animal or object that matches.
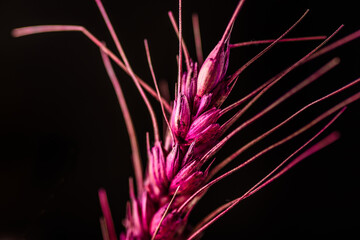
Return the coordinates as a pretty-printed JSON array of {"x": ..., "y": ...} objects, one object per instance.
[
  {"x": 104, "y": 231},
  {"x": 107, "y": 214},
  {"x": 128, "y": 122}
]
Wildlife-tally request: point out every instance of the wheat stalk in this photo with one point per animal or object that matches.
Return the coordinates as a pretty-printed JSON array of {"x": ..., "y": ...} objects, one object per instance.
[{"x": 181, "y": 166}]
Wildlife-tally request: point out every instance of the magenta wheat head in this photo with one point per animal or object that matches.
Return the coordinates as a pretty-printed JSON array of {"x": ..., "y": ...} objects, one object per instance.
[{"x": 183, "y": 164}]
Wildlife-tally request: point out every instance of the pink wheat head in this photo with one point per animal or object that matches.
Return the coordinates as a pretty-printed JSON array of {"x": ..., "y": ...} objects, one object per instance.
[{"x": 182, "y": 163}]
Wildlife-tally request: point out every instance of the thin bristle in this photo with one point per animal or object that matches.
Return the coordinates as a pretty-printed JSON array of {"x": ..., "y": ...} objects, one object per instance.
[
  {"x": 165, "y": 213},
  {"x": 211, "y": 215},
  {"x": 318, "y": 119},
  {"x": 221, "y": 208},
  {"x": 197, "y": 38},
  {"x": 288, "y": 94},
  {"x": 112, "y": 32},
  {"x": 20, "y": 32},
  {"x": 24, "y": 31},
  {"x": 128, "y": 122},
  {"x": 232, "y": 20},
  {"x": 278, "y": 78},
  {"x": 317, "y": 54},
  {"x": 323, "y": 143},
  {"x": 257, "y": 42},
  {"x": 183, "y": 45},
  {"x": 156, "y": 85},
  {"x": 237, "y": 153},
  {"x": 180, "y": 44},
  {"x": 247, "y": 97},
  {"x": 336, "y": 44},
  {"x": 246, "y": 65},
  {"x": 128, "y": 66}
]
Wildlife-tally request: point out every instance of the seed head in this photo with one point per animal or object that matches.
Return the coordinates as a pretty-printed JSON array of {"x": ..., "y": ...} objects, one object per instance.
[
  {"x": 180, "y": 120},
  {"x": 213, "y": 71},
  {"x": 179, "y": 173}
]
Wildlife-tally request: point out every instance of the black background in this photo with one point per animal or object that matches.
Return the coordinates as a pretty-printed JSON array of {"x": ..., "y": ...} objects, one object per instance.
[{"x": 63, "y": 136}]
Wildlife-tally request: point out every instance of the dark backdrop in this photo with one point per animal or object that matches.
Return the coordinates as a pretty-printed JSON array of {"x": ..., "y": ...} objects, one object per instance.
[{"x": 63, "y": 136}]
